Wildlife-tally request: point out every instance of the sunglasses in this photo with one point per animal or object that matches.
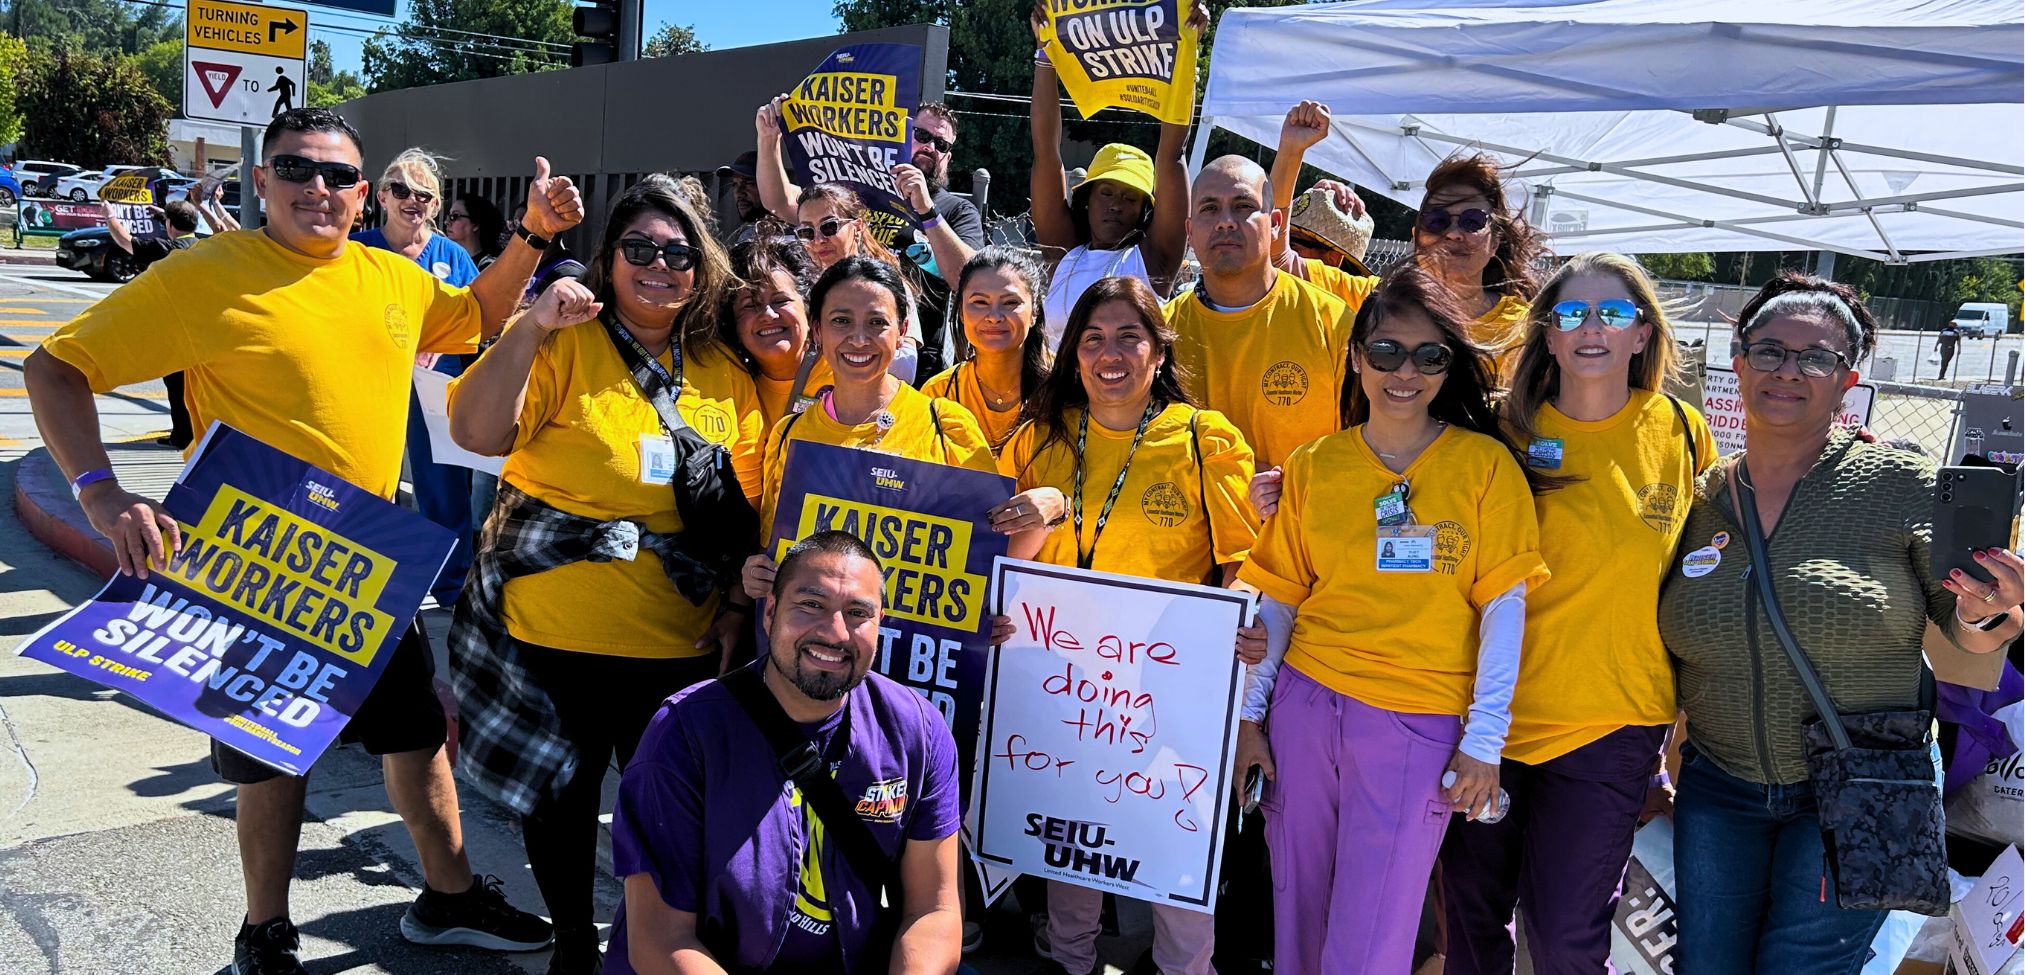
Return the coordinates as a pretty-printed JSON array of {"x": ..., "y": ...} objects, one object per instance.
[
  {"x": 830, "y": 227},
  {"x": 926, "y": 137},
  {"x": 1472, "y": 221},
  {"x": 680, "y": 255},
  {"x": 453, "y": 216},
  {"x": 1616, "y": 314},
  {"x": 1431, "y": 358},
  {"x": 1769, "y": 356},
  {"x": 403, "y": 191},
  {"x": 295, "y": 169}
]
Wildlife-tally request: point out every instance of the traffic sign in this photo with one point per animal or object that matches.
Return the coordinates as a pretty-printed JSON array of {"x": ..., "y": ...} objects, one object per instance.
[{"x": 243, "y": 62}]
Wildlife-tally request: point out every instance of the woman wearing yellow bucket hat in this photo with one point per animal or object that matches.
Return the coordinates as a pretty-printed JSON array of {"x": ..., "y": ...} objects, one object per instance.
[{"x": 1127, "y": 218}]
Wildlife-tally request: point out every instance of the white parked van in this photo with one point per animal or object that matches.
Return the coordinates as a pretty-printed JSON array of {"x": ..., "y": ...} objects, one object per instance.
[{"x": 1982, "y": 319}]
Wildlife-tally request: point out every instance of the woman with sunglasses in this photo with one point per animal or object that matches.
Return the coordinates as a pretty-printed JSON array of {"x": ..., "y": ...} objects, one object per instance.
[
  {"x": 476, "y": 225},
  {"x": 1617, "y": 461},
  {"x": 1394, "y": 578},
  {"x": 1129, "y": 216},
  {"x": 1848, "y": 529},
  {"x": 830, "y": 221},
  {"x": 766, "y": 321},
  {"x": 409, "y": 193},
  {"x": 602, "y": 643},
  {"x": 999, "y": 290},
  {"x": 1481, "y": 247},
  {"x": 1112, "y": 426}
]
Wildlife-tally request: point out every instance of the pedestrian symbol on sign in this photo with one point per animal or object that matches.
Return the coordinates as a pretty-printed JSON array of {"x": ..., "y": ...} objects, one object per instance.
[
  {"x": 286, "y": 86},
  {"x": 217, "y": 79}
]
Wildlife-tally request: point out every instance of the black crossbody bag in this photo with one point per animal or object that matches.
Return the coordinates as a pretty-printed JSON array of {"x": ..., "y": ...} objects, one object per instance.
[
  {"x": 799, "y": 761},
  {"x": 1873, "y": 773}
]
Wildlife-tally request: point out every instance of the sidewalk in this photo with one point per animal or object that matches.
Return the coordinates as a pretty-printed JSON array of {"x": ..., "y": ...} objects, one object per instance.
[{"x": 24, "y": 255}]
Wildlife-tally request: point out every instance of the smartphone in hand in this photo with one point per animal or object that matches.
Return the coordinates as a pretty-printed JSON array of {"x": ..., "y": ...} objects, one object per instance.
[{"x": 1974, "y": 508}]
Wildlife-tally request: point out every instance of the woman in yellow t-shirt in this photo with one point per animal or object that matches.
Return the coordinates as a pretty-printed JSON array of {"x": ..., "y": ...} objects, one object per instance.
[
  {"x": 999, "y": 295},
  {"x": 1394, "y": 576},
  {"x": 1482, "y": 249},
  {"x": 1112, "y": 419},
  {"x": 766, "y": 322},
  {"x": 858, "y": 307},
  {"x": 1618, "y": 460},
  {"x": 601, "y": 643}
]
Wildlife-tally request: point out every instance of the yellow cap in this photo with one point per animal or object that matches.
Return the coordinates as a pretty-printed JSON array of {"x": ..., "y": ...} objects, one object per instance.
[{"x": 1124, "y": 165}]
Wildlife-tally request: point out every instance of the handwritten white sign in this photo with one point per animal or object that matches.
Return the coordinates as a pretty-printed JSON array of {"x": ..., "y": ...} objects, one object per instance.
[{"x": 1110, "y": 723}]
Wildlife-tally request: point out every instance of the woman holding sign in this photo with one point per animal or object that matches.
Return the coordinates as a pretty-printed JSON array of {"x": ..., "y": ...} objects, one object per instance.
[
  {"x": 1112, "y": 418},
  {"x": 596, "y": 395},
  {"x": 1617, "y": 460},
  {"x": 1129, "y": 216},
  {"x": 766, "y": 322},
  {"x": 1394, "y": 574},
  {"x": 999, "y": 295}
]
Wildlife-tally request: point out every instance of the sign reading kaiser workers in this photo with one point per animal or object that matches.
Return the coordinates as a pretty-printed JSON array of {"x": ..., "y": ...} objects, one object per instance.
[
  {"x": 132, "y": 199},
  {"x": 926, "y": 523},
  {"x": 1110, "y": 732},
  {"x": 275, "y": 617},
  {"x": 850, "y": 123},
  {"x": 1136, "y": 54},
  {"x": 1723, "y": 406}
]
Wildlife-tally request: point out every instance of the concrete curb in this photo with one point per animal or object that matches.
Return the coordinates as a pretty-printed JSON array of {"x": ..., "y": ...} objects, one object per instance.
[
  {"x": 35, "y": 260},
  {"x": 40, "y": 503}
]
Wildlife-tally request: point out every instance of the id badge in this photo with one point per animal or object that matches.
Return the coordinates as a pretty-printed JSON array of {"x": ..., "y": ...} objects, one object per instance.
[
  {"x": 1406, "y": 548},
  {"x": 1544, "y": 452},
  {"x": 657, "y": 459}
]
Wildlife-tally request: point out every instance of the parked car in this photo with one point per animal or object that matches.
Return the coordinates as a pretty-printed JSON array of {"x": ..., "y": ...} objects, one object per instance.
[
  {"x": 10, "y": 189},
  {"x": 79, "y": 186},
  {"x": 1982, "y": 319},
  {"x": 92, "y": 251},
  {"x": 39, "y": 176}
]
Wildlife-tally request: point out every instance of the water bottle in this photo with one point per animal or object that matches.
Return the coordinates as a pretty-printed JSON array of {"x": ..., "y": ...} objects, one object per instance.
[{"x": 1498, "y": 811}]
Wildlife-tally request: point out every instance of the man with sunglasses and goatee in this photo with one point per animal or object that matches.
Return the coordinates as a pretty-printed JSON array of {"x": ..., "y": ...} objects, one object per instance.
[{"x": 304, "y": 340}]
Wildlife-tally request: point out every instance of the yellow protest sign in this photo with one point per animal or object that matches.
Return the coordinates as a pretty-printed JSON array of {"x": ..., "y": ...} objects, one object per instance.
[{"x": 1136, "y": 54}]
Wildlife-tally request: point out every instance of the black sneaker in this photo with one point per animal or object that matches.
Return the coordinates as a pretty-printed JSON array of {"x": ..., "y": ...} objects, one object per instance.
[
  {"x": 268, "y": 949},
  {"x": 478, "y": 918}
]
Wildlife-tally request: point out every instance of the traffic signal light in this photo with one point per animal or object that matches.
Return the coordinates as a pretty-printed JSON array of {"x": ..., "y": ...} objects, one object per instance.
[{"x": 598, "y": 24}]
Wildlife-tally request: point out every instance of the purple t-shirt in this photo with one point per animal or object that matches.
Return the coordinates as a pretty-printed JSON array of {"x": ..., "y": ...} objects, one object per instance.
[{"x": 705, "y": 812}]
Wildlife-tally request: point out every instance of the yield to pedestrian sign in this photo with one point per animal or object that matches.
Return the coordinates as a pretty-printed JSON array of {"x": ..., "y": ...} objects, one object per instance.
[{"x": 243, "y": 61}]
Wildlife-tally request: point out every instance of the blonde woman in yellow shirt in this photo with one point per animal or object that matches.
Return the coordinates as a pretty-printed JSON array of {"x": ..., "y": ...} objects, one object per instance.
[
  {"x": 1595, "y": 697},
  {"x": 1157, "y": 489},
  {"x": 999, "y": 295},
  {"x": 582, "y": 649},
  {"x": 858, "y": 304},
  {"x": 1395, "y": 574}
]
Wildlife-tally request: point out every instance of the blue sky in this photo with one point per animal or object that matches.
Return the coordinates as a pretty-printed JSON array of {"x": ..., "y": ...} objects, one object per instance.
[{"x": 737, "y": 23}]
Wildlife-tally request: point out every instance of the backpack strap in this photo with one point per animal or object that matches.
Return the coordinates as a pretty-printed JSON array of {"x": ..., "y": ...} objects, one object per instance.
[
  {"x": 940, "y": 437},
  {"x": 1202, "y": 485},
  {"x": 1694, "y": 449}
]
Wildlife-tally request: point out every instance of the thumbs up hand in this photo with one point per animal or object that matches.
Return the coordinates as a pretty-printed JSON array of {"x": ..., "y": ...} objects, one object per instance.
[{"x": 554, "y": 204}]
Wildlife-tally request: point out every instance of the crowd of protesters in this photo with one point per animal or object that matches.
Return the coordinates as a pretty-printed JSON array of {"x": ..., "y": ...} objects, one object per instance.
[{"x": 1459, "y": 489}]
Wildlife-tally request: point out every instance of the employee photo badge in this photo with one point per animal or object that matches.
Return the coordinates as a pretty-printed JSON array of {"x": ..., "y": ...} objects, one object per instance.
[{"x": 1406, "y": 548}]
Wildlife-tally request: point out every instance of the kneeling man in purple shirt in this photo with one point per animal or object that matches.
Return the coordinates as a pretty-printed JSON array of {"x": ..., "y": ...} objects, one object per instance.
[{"x": 727, "y": 868}]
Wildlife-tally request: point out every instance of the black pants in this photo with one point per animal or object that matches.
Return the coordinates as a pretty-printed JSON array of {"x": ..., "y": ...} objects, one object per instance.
[
  {"x": 180, "y": 433},
  {"x": 603, "y": 703}
]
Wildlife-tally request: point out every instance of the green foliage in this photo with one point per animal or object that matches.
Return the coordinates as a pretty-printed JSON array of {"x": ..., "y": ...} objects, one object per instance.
[
  {"x": 320, "y": 69},
  {"x": 91, "y": 26},
  {"x": 162, "y": 64},
  {"x": 673, "y": 39},
  {"x": 92, "y": 109},
  {"x": 13, "y": 66},
  {"x": 417, "y": 53},
  {"x": 343, "y": 87},
  {"x": 1680, "y": 267},
  {"x": 991, "y": 50}
]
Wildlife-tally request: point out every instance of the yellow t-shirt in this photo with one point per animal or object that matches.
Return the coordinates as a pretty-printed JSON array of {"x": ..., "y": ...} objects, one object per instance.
[
  {"x": 959, "y": 442},
  {"x": 577, "y": 447},
  {"x": 312, "y": 357},
  {"x": 959, "y": 383},
  {"x": 1503, "y": 331},
  {"x": 1401, "y": 641},
  {"x": 1275, "y": 369},
  {"x": 1593, "y": 660},
  {"x": 775, "y": 394},
  {"x": 1352, "y": 289},
  {"x": 1159, "y": 528}
]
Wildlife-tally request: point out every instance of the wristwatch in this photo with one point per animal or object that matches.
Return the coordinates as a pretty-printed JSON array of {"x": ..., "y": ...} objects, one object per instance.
[{"x": 534, "y": 240}]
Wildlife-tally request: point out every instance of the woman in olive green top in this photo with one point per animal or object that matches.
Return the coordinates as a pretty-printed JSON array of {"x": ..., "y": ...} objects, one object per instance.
[{"x": 1849, "y": 526}]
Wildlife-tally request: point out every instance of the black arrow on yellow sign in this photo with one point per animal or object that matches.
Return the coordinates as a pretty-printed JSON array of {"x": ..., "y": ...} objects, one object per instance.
[{"x": 278, "y": 28}]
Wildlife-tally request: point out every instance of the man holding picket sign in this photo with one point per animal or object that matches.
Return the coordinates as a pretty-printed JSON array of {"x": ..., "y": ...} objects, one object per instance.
[{"x": 304, "y": 341}]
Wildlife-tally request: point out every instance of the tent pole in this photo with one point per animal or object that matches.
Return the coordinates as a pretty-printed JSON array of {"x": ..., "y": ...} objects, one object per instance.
[{"x": 1203, "y": 126}]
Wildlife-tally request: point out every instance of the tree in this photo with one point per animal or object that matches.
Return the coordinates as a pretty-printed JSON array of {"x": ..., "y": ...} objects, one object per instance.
[
  {"x": 1680, "y": 267},
  {"x": 91, "y": 26},
  {"x": 320, "y": 70},
  {"x": 92, "y": 109},
  {"x": 13, "y": 69},
  {"x": 991, "y": 50},
  {"x": 673, "y": 39},
  {"x": 343, "y": 87},
  {"x": 459, "y": 40},
  {"x": 162, "y": 64}
]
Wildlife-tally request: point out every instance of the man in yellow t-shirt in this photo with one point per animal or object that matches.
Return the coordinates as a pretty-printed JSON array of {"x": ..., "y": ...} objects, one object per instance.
[
  {"x": 1260, "y": 346},
  {"x": 304, "y": 341}
]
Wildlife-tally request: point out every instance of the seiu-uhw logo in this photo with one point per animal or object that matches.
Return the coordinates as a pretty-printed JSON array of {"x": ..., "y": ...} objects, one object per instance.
[
  {"x": 888, "y": 478},
  {"x": 1077, "y": 847},
  {"x": 321, "y": 496}
]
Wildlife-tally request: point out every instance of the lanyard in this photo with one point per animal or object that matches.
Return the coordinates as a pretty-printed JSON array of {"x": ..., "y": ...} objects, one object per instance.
[
  {"x": 799, "y": 397},
  {"x": 1083, "y": 559},
  {"x": 674, "y": 381}
]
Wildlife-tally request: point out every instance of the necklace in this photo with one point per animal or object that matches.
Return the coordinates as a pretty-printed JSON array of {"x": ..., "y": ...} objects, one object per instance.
[
  {"x": 993, "y": 397},
  {"x": 1439, "y": 426}
]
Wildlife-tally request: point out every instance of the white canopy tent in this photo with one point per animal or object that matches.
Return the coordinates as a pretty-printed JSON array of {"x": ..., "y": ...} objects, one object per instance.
[{"x": 1887, "y": 129}]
